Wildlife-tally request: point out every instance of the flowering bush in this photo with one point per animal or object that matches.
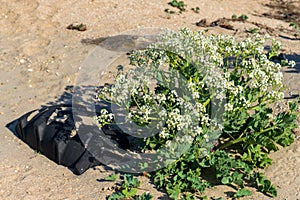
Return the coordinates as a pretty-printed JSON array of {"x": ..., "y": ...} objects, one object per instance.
[{"x": 207, "y": 101}]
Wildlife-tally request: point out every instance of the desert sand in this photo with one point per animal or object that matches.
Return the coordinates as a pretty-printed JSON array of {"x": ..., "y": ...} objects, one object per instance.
[{"x": 40, "y": 57}]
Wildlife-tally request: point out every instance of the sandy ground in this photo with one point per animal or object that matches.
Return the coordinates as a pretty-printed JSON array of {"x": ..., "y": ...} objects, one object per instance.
[{"x": 39, "y": 57}]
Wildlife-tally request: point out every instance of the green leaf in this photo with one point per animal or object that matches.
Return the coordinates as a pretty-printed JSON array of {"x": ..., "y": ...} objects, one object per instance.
[
  {"x": 242, "y": 193},
  {"x": 111, "y": 177},
  {"x": 144, "y": 196},
  {"x": 116, "y": 196},
  {"x": 243, "y": 17},
  {"x": 129, "y": 193},
  {"x": 219, "y": 198},
  {"x": 226, "y": 180},
  {"x": 293, "y": 105},
  {"x": 237, "y": 178},
  {"x": 264, "y": 185},
  {"x": 253, "y": 30},
  {"x": 175, "y": 191}
]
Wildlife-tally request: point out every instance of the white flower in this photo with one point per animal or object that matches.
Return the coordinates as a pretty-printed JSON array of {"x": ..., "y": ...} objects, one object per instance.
[
  {"x": 280, "y": 95},
  {"x": 198, "y": 130},
  {"x": 188, "y": 113},
  {"x": 164, "y": 133},
  {"x": 270, "y": 116},
  {"x": 228, "y": 107},
  {"x": 292, "y": 63},
  {"x": 105, "y": 117},
  {"x": 195, "y": 95}
]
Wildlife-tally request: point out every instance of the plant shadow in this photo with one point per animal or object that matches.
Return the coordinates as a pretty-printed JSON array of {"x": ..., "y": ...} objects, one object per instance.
[{"x": 121, "y": 43}]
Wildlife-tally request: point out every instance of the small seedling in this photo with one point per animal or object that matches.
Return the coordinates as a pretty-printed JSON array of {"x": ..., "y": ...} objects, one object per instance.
[
  {"x": 294, "y": 25},
  {"x": 234, "y": 16},
  {"x": 168, "y": 11},
  {"x": 78, "y": 27},
  {"x": 178, "y": 4},
  {"x": 196, "y": 10},
  {"x": 253, "y": 30},
  {"x": 128, "y": 190},
  {"x": 243, "y": 17}
]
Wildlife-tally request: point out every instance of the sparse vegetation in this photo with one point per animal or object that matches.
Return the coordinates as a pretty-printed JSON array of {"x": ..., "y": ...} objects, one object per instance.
[
  {"x": 180, "y": 5},
  {"x": 196, "y": 10},
  {"x": 128, "y": 190}
]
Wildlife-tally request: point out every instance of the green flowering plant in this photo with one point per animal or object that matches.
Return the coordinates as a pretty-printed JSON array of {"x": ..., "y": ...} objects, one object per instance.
[{"x": 211, "y": 101}]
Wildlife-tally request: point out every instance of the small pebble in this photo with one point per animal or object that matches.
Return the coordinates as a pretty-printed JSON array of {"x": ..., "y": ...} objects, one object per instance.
[{"x": 22, "y": 61}]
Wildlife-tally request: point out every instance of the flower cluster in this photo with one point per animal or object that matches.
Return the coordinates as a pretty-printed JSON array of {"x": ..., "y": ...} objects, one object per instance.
[
  {"x": 188, "y": 82},
  {"x": 194, "y": 101},
  {"x": 104, "y": 117}
]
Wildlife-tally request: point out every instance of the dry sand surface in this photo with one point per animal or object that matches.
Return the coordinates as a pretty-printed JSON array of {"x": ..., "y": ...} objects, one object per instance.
[{"x": 39, "y": 57}]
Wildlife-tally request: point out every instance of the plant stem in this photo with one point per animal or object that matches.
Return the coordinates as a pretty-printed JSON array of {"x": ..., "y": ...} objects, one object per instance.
[
  {"x": 242, "y": 139},
  {"x": 206, "y": 102},
  {"x": 225, "y": 145},
  {"x": 134, "y": 99},
  {"x": 267, "y": 129}
]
